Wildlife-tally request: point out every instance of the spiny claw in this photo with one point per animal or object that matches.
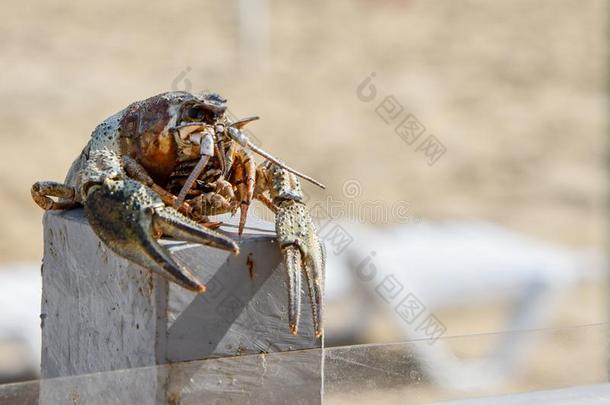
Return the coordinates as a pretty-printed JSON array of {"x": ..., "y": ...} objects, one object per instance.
[
  {"x": 314, "y": 265},
  {"x": 292, "y": 261},
  {"x": 302, "y": 251},
  {"x": 176, "y": 225},
  {"x": 126, "y": 215}
]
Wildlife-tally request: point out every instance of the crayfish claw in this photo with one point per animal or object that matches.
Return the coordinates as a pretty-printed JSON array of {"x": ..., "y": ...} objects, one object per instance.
[
  {"x": 128, "y": 216},
  {"x": 292, "y": 262},
  {"x": 170, "y": 222},
  {"x": 303, "y": 252},
  {"x": 155, "y": 257},
  {"x": 314, "y": 271}
]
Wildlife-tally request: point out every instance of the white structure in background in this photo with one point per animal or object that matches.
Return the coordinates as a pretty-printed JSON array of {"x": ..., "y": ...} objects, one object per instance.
[
  {"x": 410, "y": 271},
  {"x": 20, "y": 290}
]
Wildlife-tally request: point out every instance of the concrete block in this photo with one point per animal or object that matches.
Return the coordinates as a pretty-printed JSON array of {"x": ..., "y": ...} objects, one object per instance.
[{"x": 101, "y": 312}]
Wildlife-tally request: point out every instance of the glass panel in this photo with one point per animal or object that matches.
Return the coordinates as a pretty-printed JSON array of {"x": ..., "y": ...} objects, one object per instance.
[{"x": 410, "y": 372}]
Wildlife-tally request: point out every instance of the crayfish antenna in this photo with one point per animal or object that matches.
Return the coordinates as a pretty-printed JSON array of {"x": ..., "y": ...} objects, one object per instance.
[
  {"x": 283, "y": 165},
  {"x": 243, "y": 140}
]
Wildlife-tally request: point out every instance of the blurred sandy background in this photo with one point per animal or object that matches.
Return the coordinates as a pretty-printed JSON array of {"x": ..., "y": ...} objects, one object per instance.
[{"x": 515, "y": 90}]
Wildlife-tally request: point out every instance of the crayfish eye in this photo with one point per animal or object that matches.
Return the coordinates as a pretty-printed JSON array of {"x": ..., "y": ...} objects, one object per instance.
[{"x": 196, "y": 113}]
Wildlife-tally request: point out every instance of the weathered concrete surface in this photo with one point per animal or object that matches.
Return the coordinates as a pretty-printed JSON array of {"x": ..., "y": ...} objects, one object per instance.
[
  {"x": 252, "y": 379},
  {"x": 101, "y": 313}
]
